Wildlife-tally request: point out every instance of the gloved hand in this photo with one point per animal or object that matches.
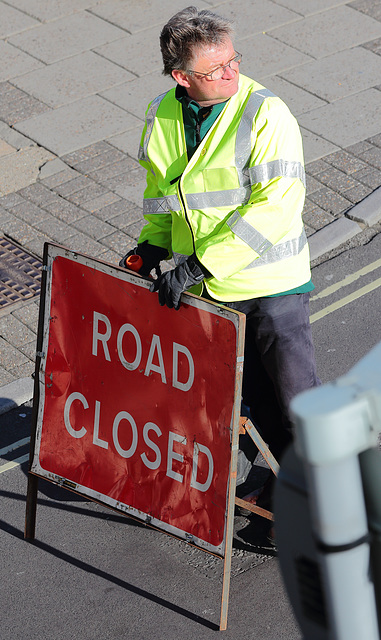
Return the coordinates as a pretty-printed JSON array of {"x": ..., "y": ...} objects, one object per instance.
[
  {"x": 172, "y": 284},
  {"x": 149, "y": 253}
]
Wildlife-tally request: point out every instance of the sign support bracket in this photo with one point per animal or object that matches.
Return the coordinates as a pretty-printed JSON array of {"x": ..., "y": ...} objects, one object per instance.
[{"x": 245, "y": 425}]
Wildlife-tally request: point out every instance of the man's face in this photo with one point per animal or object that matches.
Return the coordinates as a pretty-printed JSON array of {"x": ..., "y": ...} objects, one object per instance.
[{"x": 206, "y": 59}]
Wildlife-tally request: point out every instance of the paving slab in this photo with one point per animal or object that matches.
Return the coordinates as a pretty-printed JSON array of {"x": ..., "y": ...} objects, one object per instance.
[
  {"x": 15, "y": 332},
  {"x": 370, "y": 7},
  {"x": 346, "y": 121},
  {"x": 349, "y": 163},
  {"x": 264, "y": 56},
  {"x": 105, "y": 165},
  {"x": 10, "y": 356},
  {"x": 138, "y": 52},
  {"x": 374, "y": 45},
  {"x": 315, "y": 146},
  {"x": 76, "y": 125},
  {"x": 20, "y": 169},
  {"x": 66, "y": 36},
  {"x": 29, "y": 213},
  {"x": 134, "y": 17},
  {"x": 329, "y": 32},
  {"x": 15, "y": 62},
  {"x": 28, "y": 313},
  {"x": 297, "y": 99},
  {"x": 51, "y": 168},
  {"x": 13, "y": 21},
  {"x": 267, "y": 16},
  {"x": 72, "y": 79},
  {"x": 312, "y": 6},
  {"x": 13, "y": 138},
  {"x": 16, "y": 105},
  {"x": 46, "y": 10},
  {"x": 135, "y": 96},
  {"x": 128, "y": 142},
  {"x": 133, "y": 192},
  {"x": 5, "y": 148},
  {"x": 338, "y": 75}
]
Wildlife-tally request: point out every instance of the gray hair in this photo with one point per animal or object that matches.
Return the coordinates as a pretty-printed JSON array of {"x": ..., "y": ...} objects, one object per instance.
[{"x": 188, "y": 29}]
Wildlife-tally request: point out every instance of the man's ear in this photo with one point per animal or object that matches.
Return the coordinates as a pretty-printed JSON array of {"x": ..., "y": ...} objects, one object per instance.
[{"x": 181, "y": 78}]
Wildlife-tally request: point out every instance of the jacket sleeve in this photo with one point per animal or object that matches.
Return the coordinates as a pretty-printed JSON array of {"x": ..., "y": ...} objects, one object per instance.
[
  {"x": 158, "y": 227},
  {"x": 274, "y": 209}
]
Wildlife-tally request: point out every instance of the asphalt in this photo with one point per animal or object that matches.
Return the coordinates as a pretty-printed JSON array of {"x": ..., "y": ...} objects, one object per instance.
[{"x": 75, "y": 79}]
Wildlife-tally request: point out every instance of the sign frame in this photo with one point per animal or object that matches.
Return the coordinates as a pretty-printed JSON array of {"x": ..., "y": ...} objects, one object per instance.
[{"x": 51, "y": 252}]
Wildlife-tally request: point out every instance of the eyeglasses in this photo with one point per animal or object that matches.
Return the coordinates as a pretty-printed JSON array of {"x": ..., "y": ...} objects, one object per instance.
[{"x": 218, "y": 73}]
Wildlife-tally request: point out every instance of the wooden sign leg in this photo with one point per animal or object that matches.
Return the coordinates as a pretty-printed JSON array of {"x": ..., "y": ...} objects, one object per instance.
[
  {"x": 228, "y": 557},
  {"x": 230, "y": 517}
]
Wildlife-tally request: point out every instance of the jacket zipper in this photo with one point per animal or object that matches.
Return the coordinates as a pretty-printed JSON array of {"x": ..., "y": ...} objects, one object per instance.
[{"x": 186, "y": 215}]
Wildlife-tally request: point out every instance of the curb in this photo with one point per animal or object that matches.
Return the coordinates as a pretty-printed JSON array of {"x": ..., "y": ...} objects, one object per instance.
[
  {"x": 332, "y": 236},
  {"x": 15, "y": 394},
  {"x": 367, "y": 212}
]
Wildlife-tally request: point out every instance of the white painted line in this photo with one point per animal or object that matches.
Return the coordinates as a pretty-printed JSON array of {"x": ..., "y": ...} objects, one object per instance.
[
  {"x": 343, "y": 301},
  {"x": 14, "y": 463},
  {"x": 14, "y": 445},
  {"x": 347, "y": 280}
]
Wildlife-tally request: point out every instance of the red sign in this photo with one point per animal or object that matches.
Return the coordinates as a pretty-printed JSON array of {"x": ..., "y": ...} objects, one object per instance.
[{"x": 136, "y": 400}]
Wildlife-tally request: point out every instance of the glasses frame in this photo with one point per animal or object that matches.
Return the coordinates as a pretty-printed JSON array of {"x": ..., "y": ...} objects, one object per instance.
[{"x": 223, "y": 66}]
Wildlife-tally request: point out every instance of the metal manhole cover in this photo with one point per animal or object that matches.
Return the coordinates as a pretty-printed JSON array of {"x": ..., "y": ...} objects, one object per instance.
[{"x": 20, "y": 274}]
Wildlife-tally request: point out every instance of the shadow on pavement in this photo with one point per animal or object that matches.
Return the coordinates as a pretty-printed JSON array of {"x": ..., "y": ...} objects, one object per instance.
[{"x": 90, "y": 569}]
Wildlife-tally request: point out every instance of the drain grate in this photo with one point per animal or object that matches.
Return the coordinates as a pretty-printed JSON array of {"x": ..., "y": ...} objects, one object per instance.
[{"x": 20, "y": 274}]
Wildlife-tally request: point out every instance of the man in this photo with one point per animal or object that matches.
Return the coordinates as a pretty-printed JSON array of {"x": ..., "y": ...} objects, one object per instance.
[{"x": 224, "y": 198}]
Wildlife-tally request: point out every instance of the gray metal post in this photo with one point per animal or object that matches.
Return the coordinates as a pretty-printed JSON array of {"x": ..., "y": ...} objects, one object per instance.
[{"x": 336, "y": 429}]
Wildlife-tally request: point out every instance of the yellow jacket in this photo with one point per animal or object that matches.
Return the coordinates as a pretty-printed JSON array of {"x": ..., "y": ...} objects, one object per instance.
[{"x": 238, "y": 202}]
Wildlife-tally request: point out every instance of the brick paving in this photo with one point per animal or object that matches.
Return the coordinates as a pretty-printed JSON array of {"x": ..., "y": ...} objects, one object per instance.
[{"x": 89, "y": 198}]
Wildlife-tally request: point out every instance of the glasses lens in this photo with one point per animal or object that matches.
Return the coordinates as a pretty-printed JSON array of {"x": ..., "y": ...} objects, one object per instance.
[{"x": 218, "y": 73}]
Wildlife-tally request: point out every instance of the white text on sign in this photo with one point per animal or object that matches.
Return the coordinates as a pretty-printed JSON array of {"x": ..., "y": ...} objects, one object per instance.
[
  {"x": 148, "y": 427},
  {"x": 155, "y": 351}
]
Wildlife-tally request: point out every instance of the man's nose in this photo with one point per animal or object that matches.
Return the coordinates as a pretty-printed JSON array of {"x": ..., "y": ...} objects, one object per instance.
[{"x": 229, "y": 73}]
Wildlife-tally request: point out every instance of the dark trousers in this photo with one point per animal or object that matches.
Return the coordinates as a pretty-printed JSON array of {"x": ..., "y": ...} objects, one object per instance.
[{"x": 279, "y": 362}]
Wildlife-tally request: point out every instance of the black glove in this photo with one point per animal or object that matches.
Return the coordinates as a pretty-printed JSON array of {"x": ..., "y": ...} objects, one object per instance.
[
  {"x": 172, "y": 284},
  {"x": 149, "y": 253}
]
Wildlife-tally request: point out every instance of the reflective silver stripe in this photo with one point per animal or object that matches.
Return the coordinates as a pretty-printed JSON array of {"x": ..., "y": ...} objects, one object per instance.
[
  {"x": 165, "y": 204},
  {"x": 246, "y": 232},
  {"x": 151, "y": 114},
  {"x": 282, "y": 251},
  {"x": 226, "y": 198},
  {"x": 243, "y": 139},
  {"x": 277, "y": 169}
]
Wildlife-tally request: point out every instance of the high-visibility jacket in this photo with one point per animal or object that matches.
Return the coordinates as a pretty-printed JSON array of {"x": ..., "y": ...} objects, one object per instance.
[{"x": 237, "y": 203}]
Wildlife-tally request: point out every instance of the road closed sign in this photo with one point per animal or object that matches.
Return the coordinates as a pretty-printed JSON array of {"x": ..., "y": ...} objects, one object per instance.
[{"x": 136, "y": 401}]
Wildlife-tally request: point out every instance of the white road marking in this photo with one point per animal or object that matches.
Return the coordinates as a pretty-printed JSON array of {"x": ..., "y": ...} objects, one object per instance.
[
  {"x": 14, "y": 463},
  {"x": 343, "y": 301},
  {"x": 14, "y": 445}
]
